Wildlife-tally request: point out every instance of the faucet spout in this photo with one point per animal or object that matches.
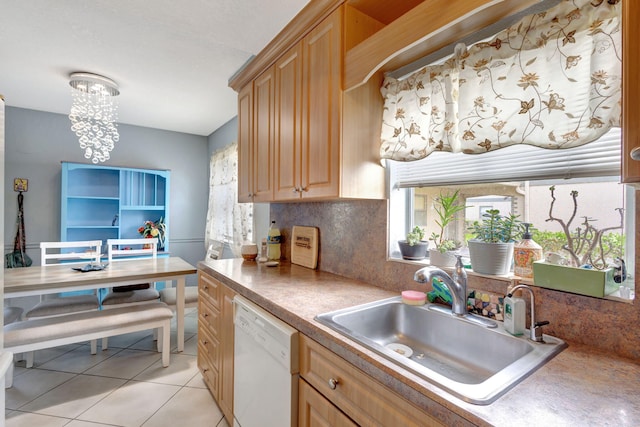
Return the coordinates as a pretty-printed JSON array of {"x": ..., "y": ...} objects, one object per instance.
[
  {"x": 535, "y": 329},
  {"x": 458, "y": 289}
]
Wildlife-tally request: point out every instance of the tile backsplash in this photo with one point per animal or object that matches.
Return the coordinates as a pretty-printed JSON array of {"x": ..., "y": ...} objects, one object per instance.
[{"x": 353, "y": 242}]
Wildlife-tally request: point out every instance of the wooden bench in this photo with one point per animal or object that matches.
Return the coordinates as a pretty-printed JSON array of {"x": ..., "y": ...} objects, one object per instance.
[{"x": 37, "y": 334}]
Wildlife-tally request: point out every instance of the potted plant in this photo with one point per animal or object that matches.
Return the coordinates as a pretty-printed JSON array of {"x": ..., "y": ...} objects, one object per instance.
[
  {"x": 414, "y": 247},
  {"x": 588, "y": 271},
  {"x": 446, "y": 208},
  {"x": 491, "y": 250}
]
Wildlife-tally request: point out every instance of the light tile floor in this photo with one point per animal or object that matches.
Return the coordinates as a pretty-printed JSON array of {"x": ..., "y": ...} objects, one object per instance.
[{"x": 125, "y": 385}]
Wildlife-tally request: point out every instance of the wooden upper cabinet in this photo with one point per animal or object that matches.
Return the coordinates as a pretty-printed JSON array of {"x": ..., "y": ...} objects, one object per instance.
[
  {"x": 630, "y": 90},
  {"x": 255, "y": 139},
  {"x": 321, "y": 108},
  {"x": 263, "y": 135},
  {"x": 288, "y": 75},
  {"x": 245, "y": 144},
  {"x": 308, "y": 115}
]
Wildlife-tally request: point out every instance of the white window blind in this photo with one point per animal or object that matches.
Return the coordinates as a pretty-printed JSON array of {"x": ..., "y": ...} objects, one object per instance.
[{"x": 514, "y": 163}]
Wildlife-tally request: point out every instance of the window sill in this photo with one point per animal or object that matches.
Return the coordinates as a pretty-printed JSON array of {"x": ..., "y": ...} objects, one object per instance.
[{"x": 510, "y": 279}]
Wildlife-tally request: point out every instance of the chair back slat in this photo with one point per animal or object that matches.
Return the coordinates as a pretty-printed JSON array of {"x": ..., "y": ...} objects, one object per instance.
[
  {"x": 131, "y": 248},
  {"x": 75, "y": 252}
]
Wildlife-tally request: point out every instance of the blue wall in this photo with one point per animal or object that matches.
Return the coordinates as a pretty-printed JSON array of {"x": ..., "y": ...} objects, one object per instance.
[{"x": 35, "y": 144}]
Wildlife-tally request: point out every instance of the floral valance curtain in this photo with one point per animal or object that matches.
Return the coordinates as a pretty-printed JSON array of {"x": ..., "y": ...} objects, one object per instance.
[
  {"x": 551, "y": 80},
  {"x": 227, "y": 220}
]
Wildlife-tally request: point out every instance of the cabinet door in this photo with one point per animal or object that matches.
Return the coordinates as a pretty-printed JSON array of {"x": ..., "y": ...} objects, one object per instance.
[
  {"x": 630, "y": 90},
  {"x": 245, "y": 144},
  {"x": 316, "y": 411},
  {"x": 263, "y": 135},
  {"x": 288, "y": 75},
  {"x": 321, "y": 108},
  {"x": 226, "y": 340}
]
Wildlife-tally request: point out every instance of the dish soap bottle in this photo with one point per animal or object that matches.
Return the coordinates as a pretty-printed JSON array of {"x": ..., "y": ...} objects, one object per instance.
[
  {"x": 514, "y": 313},
  {"x": 525, "y": 252},
  {"x": 273, "y": 243}
]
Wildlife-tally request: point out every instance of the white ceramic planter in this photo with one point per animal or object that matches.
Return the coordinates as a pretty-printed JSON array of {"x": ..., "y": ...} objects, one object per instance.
[
  {"x": 437, "y": 258},
  {"x": 491, "y": 258}
]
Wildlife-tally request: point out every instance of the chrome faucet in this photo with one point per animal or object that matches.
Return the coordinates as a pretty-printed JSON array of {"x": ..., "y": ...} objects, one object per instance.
[
  {"x": 535, "y": 329},
  {"x": 456, "y": 285},
  {"x": 457, "y": 288}
]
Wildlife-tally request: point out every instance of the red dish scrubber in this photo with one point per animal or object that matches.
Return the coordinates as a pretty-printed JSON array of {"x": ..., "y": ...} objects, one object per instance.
[{"x": 413, "y": 297}]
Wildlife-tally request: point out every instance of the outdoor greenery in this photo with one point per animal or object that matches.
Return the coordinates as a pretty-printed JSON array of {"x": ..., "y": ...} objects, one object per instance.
[
  {"x": 586, "y": 244},
  {"x": 553, "y": 241}
]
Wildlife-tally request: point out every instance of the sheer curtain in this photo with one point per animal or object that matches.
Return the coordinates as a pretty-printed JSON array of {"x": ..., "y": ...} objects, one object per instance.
[
  {"x": 551, "y": 80},
  {"x": 227, "y": 220}
]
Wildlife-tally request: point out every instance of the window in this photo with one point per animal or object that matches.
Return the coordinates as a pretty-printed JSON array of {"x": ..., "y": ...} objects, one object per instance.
[{"x": 496, "y": 181}]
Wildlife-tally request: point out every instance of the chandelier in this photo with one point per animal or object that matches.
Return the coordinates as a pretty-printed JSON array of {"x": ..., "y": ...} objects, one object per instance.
[{"x": 93, "y": 114}]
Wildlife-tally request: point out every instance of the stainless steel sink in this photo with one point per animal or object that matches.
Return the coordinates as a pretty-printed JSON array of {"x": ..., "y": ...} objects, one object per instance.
[{"x": 475, "y": 363}]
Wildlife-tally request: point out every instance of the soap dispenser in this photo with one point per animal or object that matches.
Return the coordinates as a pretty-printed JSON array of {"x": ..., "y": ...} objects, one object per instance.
[
  {"x": 514, "y": 313},
  {"x": 525, "y": 252}
]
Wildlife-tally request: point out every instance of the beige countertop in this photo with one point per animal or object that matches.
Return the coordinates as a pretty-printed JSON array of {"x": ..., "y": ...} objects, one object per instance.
[{"x": 579, "y": 386}]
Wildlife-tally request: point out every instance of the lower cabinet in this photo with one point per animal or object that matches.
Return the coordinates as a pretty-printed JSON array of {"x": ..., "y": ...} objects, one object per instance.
[
  {"x": 314, "y": 410},
  {"x": 215, "y": 340},
  {"x": 335, "y": 393}
]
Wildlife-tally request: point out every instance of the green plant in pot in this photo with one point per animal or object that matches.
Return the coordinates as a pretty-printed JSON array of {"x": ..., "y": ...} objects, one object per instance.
[
  {"x": 414, "y": 247},
  {"x": 446, "y": 208},
  {"x": 491, "y": 249}
]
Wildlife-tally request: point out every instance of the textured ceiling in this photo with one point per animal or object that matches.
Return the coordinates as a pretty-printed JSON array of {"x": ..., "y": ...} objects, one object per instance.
[{"x": 171, "y": 59}]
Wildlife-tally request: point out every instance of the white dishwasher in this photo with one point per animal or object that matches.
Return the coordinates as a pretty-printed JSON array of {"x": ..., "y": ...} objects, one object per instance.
[{"x": 265, "y": 368}]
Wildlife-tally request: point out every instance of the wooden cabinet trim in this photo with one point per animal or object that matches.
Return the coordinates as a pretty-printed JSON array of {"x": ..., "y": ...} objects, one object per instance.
[
  {"x": 630, "y": 90},
  {"x": 312, "y": 14},
  {"x": 424, "y": 29}
]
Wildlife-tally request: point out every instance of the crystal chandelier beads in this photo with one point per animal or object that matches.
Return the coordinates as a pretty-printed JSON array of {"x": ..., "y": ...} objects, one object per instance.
[{"x": 94, "y": 114}]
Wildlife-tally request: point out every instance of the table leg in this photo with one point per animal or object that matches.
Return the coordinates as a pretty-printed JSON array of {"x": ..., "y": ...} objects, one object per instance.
[{"x": 180, "y": 284}]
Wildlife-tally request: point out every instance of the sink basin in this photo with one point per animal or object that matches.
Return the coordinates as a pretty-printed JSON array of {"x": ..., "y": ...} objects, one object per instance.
[{"x": 473, "y": 362}]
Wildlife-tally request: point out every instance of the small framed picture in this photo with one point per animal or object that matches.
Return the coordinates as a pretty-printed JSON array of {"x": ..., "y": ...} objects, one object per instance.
[{"x": 20, "y": 184}]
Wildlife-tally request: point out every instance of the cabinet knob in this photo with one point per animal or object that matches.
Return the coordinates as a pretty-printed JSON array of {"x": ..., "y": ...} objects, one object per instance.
[
  {"x": 295, "y": 189},
  {"x": 333, "y": 383},
  {"x": 305, "y": 189},
  {"x": 205, "y": 342},
  {"x": 635, "y": 153}
]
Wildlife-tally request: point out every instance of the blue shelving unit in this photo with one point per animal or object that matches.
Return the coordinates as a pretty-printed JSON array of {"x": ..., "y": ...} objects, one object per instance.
[{"x": 103, "y": 202}]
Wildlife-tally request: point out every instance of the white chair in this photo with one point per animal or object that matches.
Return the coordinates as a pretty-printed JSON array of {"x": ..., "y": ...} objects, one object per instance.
[
  {"x": 120, "y": 250},
  {"x": 168, "y": 296},
  {"x": 78, "y": 253}
]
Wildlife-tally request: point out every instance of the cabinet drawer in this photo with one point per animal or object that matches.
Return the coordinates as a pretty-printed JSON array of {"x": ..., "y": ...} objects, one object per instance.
[
  {"x": 363, "y": 399},
  {"x": 208, "y": 317},
  {"x": 211, "y": 347},
  {"x": 208, "y": 370},
  {"x": 209, "y": 287}
]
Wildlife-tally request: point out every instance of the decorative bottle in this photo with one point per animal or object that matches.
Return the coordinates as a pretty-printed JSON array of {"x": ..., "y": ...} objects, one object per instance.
[
  {"x": 273, "y": 242},
  {"x": 525, "y": 252}
]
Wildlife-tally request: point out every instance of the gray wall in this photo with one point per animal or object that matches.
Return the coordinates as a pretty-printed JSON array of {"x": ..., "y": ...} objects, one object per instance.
[{"x": 35, "y": 144}]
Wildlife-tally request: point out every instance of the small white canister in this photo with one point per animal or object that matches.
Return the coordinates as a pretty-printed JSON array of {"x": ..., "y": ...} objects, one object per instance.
[{"x": 249, "y": 251}]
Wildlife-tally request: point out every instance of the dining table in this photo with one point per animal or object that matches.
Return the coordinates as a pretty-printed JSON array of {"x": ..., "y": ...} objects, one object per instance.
[{"x": 38, "y": 280}]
